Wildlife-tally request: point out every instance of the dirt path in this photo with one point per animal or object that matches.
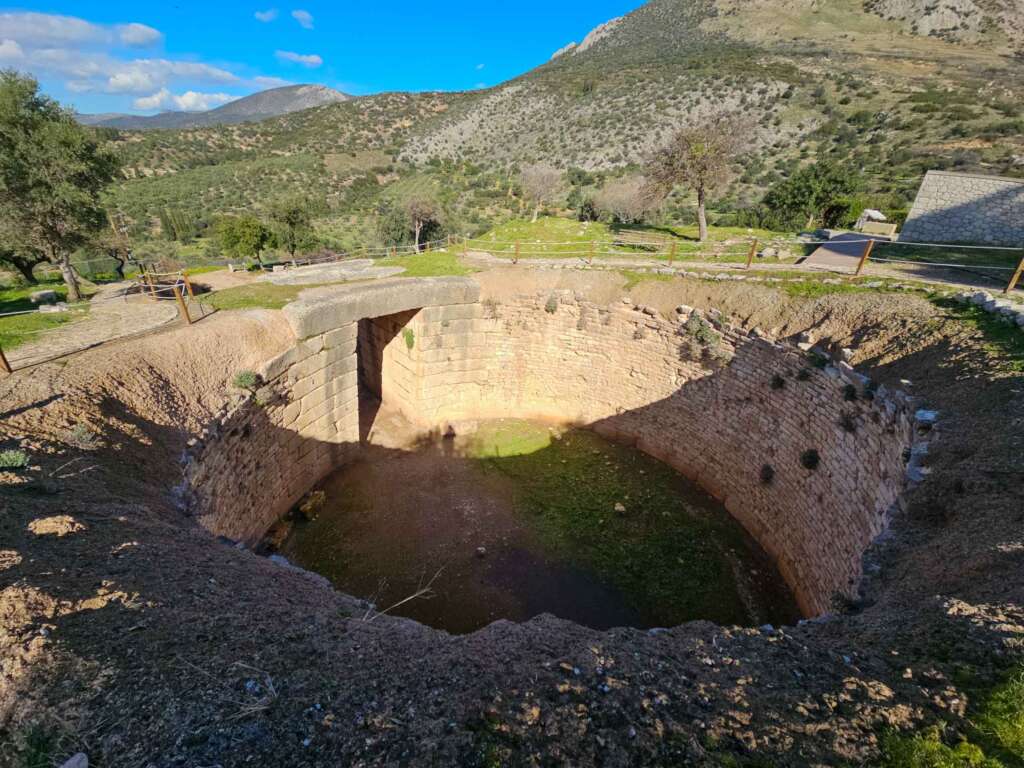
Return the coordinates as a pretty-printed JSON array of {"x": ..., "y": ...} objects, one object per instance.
[
  {"x": 113, "y": 313},
  {"x": 953, "y": 278}
]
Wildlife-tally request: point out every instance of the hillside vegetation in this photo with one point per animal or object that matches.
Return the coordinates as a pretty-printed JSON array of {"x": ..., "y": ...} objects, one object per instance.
[{"x": 894, "y": 87}]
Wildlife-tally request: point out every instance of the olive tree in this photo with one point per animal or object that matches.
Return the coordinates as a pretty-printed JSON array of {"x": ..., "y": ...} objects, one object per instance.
[
  {"x": 52, "y": 171},
  {"x": 244, "y": 236},
  {"x": 701, "y": 157},
  {"x": 292, "y": 220}
]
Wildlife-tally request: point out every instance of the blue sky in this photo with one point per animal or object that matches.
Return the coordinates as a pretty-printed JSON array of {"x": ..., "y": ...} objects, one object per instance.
[{"x": 118, "y": 56}]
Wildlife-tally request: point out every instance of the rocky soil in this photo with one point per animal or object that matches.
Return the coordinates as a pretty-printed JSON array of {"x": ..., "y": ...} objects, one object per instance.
[{"x": 129, "y": 633}]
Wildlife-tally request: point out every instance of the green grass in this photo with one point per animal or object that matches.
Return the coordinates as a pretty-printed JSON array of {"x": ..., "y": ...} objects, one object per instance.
[
  {"x": 634, "y": 278},
  {"x": 255, "y": 296},
  {"x": 427, "y": 264},
  {"x": 552, "y": 236},
  {"x": 508, "y": 437},
  {"x": 994, "y": 735},
  {"x": 1004, "y": 341},
  {"x": 951, "y": 254},
  {"x": 20, "y": 329},
  {"x": 665, "y": 553}
]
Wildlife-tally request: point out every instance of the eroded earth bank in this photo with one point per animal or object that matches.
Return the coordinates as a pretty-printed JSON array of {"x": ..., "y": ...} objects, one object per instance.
[{"x": 137, "y": 626}]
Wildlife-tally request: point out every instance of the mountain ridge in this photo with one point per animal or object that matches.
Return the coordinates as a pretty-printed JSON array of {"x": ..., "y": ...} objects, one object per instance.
[{"x": 262, "y": 105}]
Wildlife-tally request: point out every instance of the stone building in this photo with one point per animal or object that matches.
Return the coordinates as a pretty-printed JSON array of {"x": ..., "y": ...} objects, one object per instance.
[{"x": 967, "y": 208}]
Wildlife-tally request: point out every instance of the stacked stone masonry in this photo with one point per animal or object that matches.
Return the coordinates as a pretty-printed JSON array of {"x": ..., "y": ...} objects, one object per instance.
[
  {"x": 964, "y": 208},
  {"x": 717, "y": 413}
]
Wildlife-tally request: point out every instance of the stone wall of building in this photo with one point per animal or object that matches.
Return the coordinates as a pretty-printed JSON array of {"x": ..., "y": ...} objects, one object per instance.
[
  {"x": 736, "y": 413},
  {"x": 964, "y": 208}
]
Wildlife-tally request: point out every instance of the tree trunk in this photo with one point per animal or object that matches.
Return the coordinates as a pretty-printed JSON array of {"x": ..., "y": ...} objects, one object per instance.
[
  {"x": 419, "y": 228},
  {"x": 70, "y": 278},
  {"x": 536, "y": 212},
  {"x": 810, "y": 221},
  {"x": 702, "y": 216},
  {"x": 116, "y": 258},
  {"x": 25, "y": 268}
]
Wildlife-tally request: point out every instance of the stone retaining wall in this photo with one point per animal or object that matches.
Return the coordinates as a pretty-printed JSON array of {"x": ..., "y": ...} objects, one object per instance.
[
  {"x": 737, "y": 413},
  {"x": 966, "y": 208}
]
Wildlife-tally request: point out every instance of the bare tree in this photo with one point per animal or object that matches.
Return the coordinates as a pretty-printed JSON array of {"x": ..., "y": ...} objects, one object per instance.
[
  {"x": 625, "y": 200},
  {"x": 702, "y": 157},
  {"x": 539, "y": 183}
]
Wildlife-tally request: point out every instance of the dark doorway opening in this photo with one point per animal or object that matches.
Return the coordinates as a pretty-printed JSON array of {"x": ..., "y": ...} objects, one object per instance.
[{"x": 376, "y": 344}]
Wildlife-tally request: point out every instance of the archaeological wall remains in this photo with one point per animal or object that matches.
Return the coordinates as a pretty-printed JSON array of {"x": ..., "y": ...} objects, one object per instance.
[{"x": 808, "y": 457}]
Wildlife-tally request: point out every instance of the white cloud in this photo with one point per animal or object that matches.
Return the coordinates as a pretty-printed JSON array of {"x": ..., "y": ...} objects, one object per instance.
[
  {"x": 190, "y": 101},
  {"x": 137, "y": 35},
  {"x": 10, "y": 51},
  {"x": 43, "y": 30},
  {"x": 479, "y": 67},
  {"x": 266, "y": 16},
  {"x": 130, "y": 81},
  {"x": 305, "y": 18},
  {"x": 307, "y": 60}
]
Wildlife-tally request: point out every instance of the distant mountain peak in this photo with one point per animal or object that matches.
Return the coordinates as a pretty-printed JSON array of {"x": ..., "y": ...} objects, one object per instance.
[{"x": 257, "y": 106}]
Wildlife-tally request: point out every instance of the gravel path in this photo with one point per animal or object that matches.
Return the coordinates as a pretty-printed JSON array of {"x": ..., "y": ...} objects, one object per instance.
[{"x": 113, "y": 313}]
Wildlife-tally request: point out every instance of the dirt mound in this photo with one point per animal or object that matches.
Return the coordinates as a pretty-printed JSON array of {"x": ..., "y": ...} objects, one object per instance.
[{"x": 129, "y": 633}]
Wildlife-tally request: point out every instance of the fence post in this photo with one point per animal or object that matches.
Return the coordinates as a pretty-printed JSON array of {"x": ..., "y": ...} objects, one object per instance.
[
  {"x": 465, "y": 246},
  {"x": 181, "y": 304},
  {"x": 672, "y": 253},
  {"x": 188, "y": 286},
  {"x": 515, "y": 259},
  {"x": 1016, "y": 276},
  {"x": 449, "y": 241},
  {"x": 149, "y": 282},
  {"x": 752, "y": 254},
  {"x": 4, "y": 365},
  {"x": 864, "y": 257}
]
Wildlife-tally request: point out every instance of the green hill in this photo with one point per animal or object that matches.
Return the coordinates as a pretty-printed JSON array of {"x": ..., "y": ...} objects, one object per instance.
[{"x": 896, "y": 86}]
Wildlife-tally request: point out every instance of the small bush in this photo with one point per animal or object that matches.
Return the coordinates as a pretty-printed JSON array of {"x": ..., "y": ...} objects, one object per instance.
[
  {"x": 804, "y": 374},
  {"x": 13, "y": 459},
  {"x": 767, "y": 474},
  {"x": 850, "y": 393},
  {"x": 702, "y": 332},
  {"x": 810, "y": 459},
  {"x": 778, "y": 382},
  {"x": 551, "y": 306},
  {"x": 410, "y": 338},
  {"x": 848, "y": 422},
  {"x": 247, "y": 380},
  {"x": 82, "y": 437}
]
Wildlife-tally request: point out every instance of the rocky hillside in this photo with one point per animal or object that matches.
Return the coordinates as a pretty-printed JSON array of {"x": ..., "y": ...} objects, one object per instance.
[
  {"x": 895, "y": 86},
  {"x": 259, "y": 106}
]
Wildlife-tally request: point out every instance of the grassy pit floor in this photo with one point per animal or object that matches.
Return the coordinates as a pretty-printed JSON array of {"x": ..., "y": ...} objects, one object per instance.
[{"x": 671, "y": 551}]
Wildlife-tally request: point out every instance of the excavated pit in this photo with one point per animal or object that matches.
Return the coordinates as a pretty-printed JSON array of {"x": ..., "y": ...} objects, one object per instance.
[{"x": 806, "y": 456}]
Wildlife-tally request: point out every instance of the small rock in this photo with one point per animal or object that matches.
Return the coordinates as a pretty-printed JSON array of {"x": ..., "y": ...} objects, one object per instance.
[
  {"x": 620, "y": 508},
  {"x": 481, "y": 551},
  {"x": 846, "y": 354},
  {"x": 80, "y": 760}
]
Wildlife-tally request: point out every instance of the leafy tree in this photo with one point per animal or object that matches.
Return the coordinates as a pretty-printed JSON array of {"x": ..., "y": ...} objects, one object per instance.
[
  {"x": 244, "y": 236},
  {"x": 424, "y": 216},
  {"x": 292, "y": 220},
  {"x": 701, "y": 157},
  {"x": 414, "y": 220},
  {"x": 52, "y": 171},
  {"x": 24, "y": 262},
  {"x": 539, "y": 183},
  {"x": 815, "y": 193}
]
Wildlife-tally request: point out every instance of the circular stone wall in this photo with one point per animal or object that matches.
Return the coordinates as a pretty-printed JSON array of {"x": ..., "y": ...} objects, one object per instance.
[{"x": 806, "y": 455}]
